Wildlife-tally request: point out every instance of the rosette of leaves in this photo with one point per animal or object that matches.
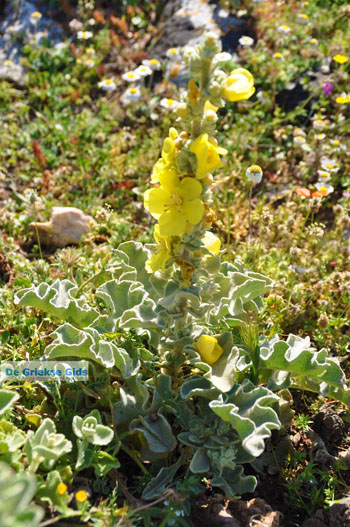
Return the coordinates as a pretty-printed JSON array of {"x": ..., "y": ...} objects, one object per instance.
[
  {"x": 90, "y": 433},
  {"x": 44, "y": 446},
  {"x": 17, "y": 492},
  {"x": 229, "y": 431}
]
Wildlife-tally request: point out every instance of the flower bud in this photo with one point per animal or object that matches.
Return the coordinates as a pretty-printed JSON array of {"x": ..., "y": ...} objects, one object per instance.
[{"x": 209, "y": 349}]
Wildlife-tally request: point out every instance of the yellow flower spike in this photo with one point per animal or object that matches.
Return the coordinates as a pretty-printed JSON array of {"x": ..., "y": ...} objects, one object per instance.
[
  {"x": 61, "y": 488},
  {"x": 193, "y": 92},
  {"x": 239, "y": 85},
  {"x": 207, "y": 154},
  {"x": 211, "y": 242},
  {"x": 209, "y": 349},
  {"x": 81, "y": 496},
  {"x": 159, "y": 259},
  {"x": 175, "y": 203}
]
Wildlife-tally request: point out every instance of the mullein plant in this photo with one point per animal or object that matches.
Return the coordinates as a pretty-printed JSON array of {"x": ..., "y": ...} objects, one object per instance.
[
  {"x": 207, "y": 390},
  {"x": 181, "y": 201}
]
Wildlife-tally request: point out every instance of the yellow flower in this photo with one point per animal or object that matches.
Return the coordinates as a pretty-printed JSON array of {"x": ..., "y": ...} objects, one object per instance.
[
  {"x": 211, "y": 242},
  {"x": 341, "y": 59},
  {"x": 207, "y": 153},
  {"x": 209, "y": 106},
  {"x": 209, "y": 349},
  {"x": 81, "y": 496},
  {"x": 342, "y": 99},
  {"x": 160, "y": 257},
  {"x": 175, "y": 203},
  {"x": 61, "y": 488},
  {"x": 239, "y": 85}
]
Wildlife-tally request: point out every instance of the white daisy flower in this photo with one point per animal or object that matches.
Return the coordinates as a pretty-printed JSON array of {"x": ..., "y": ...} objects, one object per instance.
[
  {"x": 84, "y": 35},
  {"x": 222, "y": 57},
  {"x": 323, "y": 175},
  {"x": 298, "y": 131},
  {"x": 89, "y": 63},
  {"x": 35, "y": 17},
  {"x": 144, "y": 71},
  {"x": 299, "y": 139},
  {"x": 173, "y": 54},
  {"x": 320, "y": 137},
  {"x": 67, "y": 77},
  {"x": 263, "y": 96},
  {"x": 107, "y": 85},
  {"x": 303, "y": 18},
  {"x": 324, "y": 187},
  {"x": 246, "y": 41},
  {"x": 168, "y": 103},
  {"x": 314, "y": 42},
  {"x": 284, "y": 29},
  {"x": 131, "y": 76},
  {"x": 319, "y": 124},
  {"x": 188, "y": 52},
  {"x": 154, "y": 64},
  {"x": 330, "y": 165},
  {"x": 337, "y": 145},
  {"x": 8, "y": 63},
  {"x": 132, "y": 94}
]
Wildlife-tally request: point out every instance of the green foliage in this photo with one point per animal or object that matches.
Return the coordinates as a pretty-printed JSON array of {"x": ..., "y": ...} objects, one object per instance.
[
  {"x": 44, "y": 447},
  {"x": 17, "y": 492},
  {"x": 7, "y": 399}
]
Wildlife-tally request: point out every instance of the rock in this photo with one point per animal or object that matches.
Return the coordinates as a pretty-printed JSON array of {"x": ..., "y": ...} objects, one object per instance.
[
  {"x": 186, "y": 20},
  {"x": 216, "y": 511},
  {"x": 17, "y": 23},
  {"x": 66, "y": 226},
  {"x": 329, "y": 425},
  {"x": 338, "y": 515}
]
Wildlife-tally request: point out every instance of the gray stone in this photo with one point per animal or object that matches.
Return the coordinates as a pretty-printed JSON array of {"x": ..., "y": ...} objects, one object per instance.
[{"x": 17, "y": 26}]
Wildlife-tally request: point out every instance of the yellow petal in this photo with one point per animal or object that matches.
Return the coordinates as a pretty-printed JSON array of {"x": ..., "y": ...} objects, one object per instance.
[
  {"x": 172, "y": 223},
  {"x": 169, "y": 181},
  {"x": 209, "y": 349},
  {"x": 157, "y": 261},
  {"x": 190, "y": 188},
  {"x": 211, "y": 242},
  {"x": 193, "y": 211},
  {"x": 156, "y": 200}
]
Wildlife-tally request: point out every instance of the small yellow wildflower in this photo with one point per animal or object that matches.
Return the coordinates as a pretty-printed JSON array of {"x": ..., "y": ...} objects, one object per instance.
[
  {"x": 209, "y": 349},
  {"x": 81, "y": 496},
  {"x": 340, "y": 59},
  {"x": 342, "y": 99},
  {"x": 61, "y": 488},
  {"x": 207, "y": 153},
  {"x": 278, "y": 56},
  {"x": 239, "y": 85}
]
